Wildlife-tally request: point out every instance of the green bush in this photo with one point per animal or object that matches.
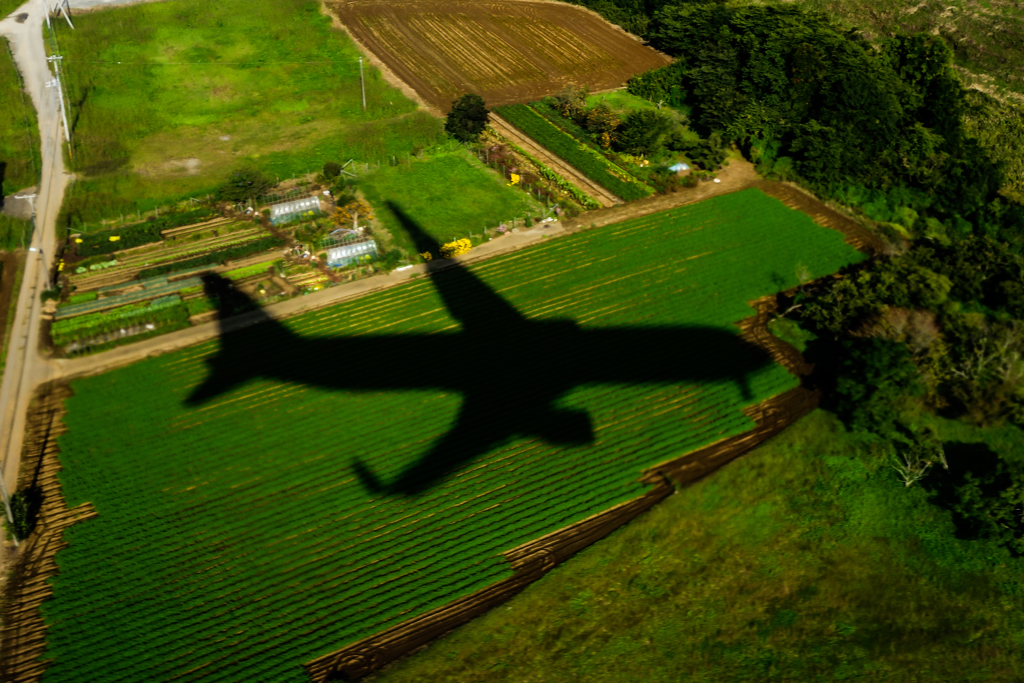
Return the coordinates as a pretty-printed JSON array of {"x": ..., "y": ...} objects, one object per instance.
[
  {"x": 332, "y": 170},
  {"x": 872, "y": 377},
  {"x": 25, "y": 506},
  {"x": 245, "y": 184}
]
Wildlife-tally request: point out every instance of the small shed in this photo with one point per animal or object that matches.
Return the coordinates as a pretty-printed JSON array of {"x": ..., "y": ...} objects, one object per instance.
[
  {"x": 285, "y": 211},
  {"x": 679, "y": 168}
]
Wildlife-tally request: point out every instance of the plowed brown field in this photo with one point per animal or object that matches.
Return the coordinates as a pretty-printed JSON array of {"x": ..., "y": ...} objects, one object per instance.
[{"x": 506, "y": 52}]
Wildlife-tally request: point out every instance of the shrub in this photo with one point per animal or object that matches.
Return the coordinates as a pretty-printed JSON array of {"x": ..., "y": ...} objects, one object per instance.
[
  {"x": 332, "y": 170},
  {"x": 245, "y": 184},
  {"x": 25, "y": 506},
  {"x": 456, "y": 248}
]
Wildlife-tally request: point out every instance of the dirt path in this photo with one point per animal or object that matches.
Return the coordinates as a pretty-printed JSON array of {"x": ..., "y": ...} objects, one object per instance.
[
  {"x": 25, "y": 369},
  {"x": 589, "y": 187},
  {"x": 738, "y": 175}
]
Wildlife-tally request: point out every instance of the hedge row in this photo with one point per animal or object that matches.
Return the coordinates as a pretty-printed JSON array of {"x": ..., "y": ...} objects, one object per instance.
[
  {"x": 586, "y": 160},
  {"x": 137, "y": 234},
  {"x": 215, "y": 257}
]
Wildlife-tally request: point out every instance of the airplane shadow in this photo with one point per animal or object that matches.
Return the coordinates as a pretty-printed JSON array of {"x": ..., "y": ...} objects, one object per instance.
[{"x": 504, "y": 400}]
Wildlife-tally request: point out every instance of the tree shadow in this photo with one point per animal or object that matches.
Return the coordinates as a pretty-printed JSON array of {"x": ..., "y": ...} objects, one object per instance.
[
  {"x": 514, "y": 396},
  {"x": 975, "y": 476}
]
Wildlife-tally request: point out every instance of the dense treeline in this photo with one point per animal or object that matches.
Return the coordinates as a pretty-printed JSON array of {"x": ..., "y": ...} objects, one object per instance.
[
  {"x": 881, "y": 129},
  {"x": 935, "y": 325}
]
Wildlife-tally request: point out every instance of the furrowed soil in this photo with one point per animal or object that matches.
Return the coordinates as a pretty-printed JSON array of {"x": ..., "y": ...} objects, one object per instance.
[{"x": 506, "y": 52}]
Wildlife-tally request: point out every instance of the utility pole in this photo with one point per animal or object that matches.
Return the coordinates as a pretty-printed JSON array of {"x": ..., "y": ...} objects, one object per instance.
[{"x": 362, "y": 83}]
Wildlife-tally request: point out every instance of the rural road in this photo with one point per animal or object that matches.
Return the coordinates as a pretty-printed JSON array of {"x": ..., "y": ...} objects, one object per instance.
[{"x": 25, "y": 368}]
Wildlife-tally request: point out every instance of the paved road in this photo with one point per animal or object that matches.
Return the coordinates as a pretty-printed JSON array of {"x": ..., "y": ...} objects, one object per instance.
[{"x": 25, "y": 368}]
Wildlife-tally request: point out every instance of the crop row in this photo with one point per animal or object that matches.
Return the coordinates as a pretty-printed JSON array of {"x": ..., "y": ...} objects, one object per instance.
[
  {"x": 137, "y": 234},
  {"x": 587, "y": 161},
  {"x": 157, "y": 311},
  {"x": 216, "y": 257},
  {"x": 585, "y": 200},
  {"x": 234, "y": 539},
  {"x": 247, "y": 271}
]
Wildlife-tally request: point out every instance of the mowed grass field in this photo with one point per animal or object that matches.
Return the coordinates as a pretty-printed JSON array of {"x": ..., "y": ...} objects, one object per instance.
[
  {"x": 806, "y": 560},
  {"x": 426, "y": 188},
  {"x": 166, "y": 99},
  {"x": 506, "y": 52},
  {"x": 19, "y": 145},
  {"x": 235, "y": 538}
]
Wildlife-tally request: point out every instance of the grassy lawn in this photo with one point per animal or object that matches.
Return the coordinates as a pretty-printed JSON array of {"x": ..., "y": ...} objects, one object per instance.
[
  {"x": 806, "y": 560},
  {"x": 449, "y": 194},
  {"x": 168, "y": 98},
  {"x": 620, "y": 101},
  {"x": 19, "y": 144},
  {"x": 8, "y": 6}
]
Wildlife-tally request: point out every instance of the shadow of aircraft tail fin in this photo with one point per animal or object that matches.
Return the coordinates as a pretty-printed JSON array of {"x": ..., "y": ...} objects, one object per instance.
[
  {"x": 466, "y": 297},
  {"x": 237, "y": 360}
]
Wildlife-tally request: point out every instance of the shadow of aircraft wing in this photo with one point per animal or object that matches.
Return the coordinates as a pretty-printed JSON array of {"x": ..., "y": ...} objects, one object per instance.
[
  {"x": 666, "y": 355},
  {"x": 481, "y": 426}
]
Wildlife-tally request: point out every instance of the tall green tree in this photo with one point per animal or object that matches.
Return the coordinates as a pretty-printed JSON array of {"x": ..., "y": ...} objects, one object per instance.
[{"x": 467, "y": 118}]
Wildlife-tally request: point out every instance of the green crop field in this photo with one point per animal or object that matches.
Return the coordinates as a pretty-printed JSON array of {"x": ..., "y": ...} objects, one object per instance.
[
  {"x": 237, "y": 536},
  {"x": 19, "y": 147},
  {"x": 448, "y": 194},
  {"x": 168, "y": 98}
]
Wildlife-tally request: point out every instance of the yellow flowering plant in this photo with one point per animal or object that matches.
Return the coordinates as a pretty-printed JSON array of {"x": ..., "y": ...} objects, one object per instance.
[{"x": 456, "y": 248}]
